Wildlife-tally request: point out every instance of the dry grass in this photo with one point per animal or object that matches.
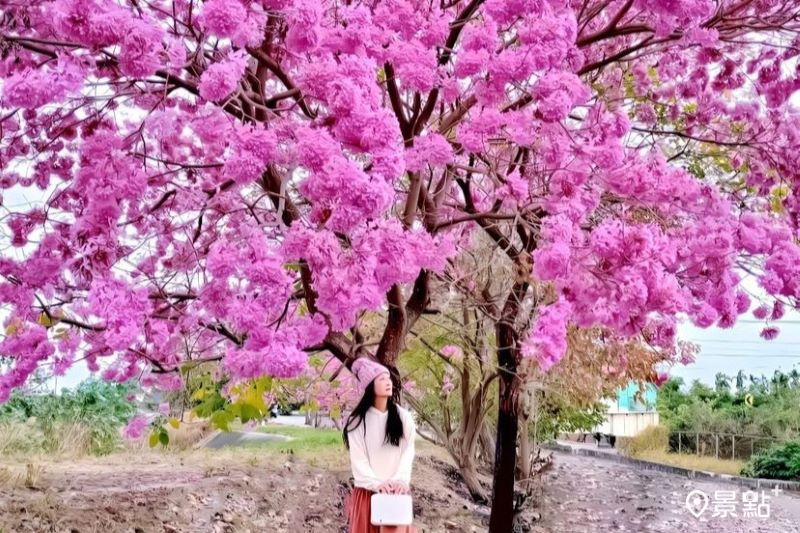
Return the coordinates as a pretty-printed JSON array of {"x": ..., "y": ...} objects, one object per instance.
[
  {"x": 184, "y": 438},
  {"x": 16, "y": 476},
  {"x": 694, "y": 462},
  {"x": 650, "y": 439},
  {"x": 652, "y": 443},
  {"x": 19, "y": 438},
  {"x": 72, "y": 440},
  {"x": 188, "y": 434},
  {"x": 65, "y": 440}
]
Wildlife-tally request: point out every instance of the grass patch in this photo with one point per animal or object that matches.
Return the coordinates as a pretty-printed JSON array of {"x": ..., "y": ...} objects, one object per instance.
[
  {"x": 304, "y": 438},
  {"x": 694, "y": 462},
  {"x": 650, "y": 439},
  {"x": 651, "y": 444},
  {"x": 16, "y": 477},
  {"x": 316, "y": 446}
]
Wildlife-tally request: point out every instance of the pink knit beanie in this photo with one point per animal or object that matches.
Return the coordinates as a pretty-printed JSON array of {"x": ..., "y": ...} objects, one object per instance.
[{"x": 366, "y": 370}]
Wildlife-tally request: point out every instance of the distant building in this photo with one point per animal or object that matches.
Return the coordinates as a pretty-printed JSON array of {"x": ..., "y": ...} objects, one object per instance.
[
  {"x": 630, "y": 412},
  {"x": 632, "y": 399}
]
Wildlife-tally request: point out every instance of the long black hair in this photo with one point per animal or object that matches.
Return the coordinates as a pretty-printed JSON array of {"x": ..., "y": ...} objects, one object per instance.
[{"x": 394, "y": 424}]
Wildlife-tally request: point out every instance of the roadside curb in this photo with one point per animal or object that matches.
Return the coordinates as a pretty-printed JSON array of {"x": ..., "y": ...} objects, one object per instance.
[{"x": 749, "y": 482}]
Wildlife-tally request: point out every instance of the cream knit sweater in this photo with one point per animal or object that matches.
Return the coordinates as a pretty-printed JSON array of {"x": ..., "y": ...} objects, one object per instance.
[{"x": 374, "y": 461}]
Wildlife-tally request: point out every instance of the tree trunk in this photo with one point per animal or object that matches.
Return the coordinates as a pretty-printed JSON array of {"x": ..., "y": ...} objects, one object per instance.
[
  {"x": 487, "y": 446},
  {"x": 470, "y": 476},
  {"x": 524, "y": 451},
  {"x": 502, "y": 516}
]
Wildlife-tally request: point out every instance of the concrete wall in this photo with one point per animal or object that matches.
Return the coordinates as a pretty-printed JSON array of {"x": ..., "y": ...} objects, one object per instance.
[{"x": 627, "y": 424}]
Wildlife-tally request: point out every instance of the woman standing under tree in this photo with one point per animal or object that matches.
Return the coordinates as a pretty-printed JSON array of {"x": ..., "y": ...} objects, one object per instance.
[{"x": 380, "y": 436}]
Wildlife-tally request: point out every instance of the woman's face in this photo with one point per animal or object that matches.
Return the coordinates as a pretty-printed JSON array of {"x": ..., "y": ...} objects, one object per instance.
[{"x": 383, "y": 385}]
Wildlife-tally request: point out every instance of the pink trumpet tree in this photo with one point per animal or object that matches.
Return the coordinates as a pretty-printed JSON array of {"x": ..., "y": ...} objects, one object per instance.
[{"x": 242, "y": 180}]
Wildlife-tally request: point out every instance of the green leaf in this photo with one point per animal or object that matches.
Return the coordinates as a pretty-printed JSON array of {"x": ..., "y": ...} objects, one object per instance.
[
  {"x": 175, "y": 423},
  {"x": 696, "y": 168},
  {"x": 154, "y": 439},
  {"x": 163, "y": 437},
  {"x": 248, "y": 412},
  {"x": 253, "y": 395},
  {"x": 627, "y": 83},
  {"x": 222, "y": 420},
  {"x": 653, "y": 73}
]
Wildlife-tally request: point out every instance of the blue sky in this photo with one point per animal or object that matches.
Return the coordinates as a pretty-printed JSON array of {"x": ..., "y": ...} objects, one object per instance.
[{"x": 741, "y": 348}]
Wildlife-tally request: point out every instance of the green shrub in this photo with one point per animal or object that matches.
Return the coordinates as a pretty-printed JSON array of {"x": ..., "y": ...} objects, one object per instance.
[
  {"x": 779, "y": 462},
  {"x": 651, "y": 438},
  {"x": 75, "y": 422}
]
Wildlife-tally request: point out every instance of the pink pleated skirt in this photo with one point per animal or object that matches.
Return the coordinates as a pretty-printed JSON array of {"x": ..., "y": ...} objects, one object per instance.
[{"x": 357, "y": 511}]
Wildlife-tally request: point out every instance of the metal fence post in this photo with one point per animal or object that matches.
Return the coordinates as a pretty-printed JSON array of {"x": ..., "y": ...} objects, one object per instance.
[
  {"x": 716, "y": 445},
  {"x": 679, "y": 442},
  {"x": 697, "y": 443},
  {"x": 733, "y": 447}
]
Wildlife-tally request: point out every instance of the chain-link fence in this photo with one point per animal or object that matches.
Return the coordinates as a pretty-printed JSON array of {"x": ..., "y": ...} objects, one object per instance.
[{"x": 719, "y": 445}]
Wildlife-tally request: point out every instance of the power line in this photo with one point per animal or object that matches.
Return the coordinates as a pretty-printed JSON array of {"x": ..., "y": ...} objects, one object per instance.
[
  {"x": 755, "y": 355},
  {"x": 775, "y": 322},
  {"x": 731, "y": 341}
]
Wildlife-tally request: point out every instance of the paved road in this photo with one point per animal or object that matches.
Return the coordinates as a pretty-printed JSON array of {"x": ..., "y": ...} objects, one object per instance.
[
  {"x": 590, "y": 494},
  {"x": 241, "y": 438}
]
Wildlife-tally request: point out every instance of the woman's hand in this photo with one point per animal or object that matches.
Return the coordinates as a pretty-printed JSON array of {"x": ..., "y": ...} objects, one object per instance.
[
  {"x": 386, "y": 487},
  {"x": 401, "y": 488},
  {"x": 393, "y": 487}
]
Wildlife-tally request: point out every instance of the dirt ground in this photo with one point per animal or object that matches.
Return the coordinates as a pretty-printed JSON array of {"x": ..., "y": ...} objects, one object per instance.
[
  {"x": 252, "y": 492},
  {"x": 588, "y": 494},
  {"x": 204, "y": 492}
]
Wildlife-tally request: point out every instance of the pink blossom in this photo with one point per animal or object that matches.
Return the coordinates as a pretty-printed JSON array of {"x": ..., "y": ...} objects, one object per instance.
[
  {"x": 447, "y": 386},
  {"x": 558, "y": 94},
  {"x": 409, "y": 386},
  {"x": 769, "y": 333},
  {"x": 415, "y": 65},
  {"x": 135, "y": 427},
  {"x": 304, "y": 32},
  {"x": 687, "y": 355},
  {"x": 778, "y": 310},
  {"x": 222, "y": 78},
  {"x": 547, "y": 340},
  {"x": 31, "y": 89},
  {"x": 89, "y": 22},
  {"x": 453, "y": 352},
  {"x": 760, "y": 312},
  {"x": 430, "y": 149},
  {"x": 552, "y": 262},
  {"x": 140, "y": 49},
  {"x": 222, "y": 17},
  {"x": 701, "y": 36}
]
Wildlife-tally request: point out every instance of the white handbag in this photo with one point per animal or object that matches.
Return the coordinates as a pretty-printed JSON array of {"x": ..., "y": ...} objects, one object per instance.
[{"x": 391, "y": 510}]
